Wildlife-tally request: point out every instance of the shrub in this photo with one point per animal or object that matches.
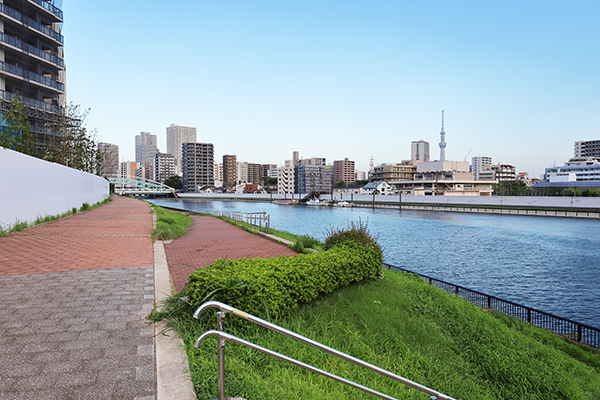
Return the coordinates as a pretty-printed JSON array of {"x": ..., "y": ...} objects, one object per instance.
[
  {"x": 85, "y": 207},
  {"x": 356, "y": 232},
  {"x": 305, "y": 242},
  {"x": 270, "y": 287}
]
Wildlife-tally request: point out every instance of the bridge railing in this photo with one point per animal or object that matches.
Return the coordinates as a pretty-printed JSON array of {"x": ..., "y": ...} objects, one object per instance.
[
  {"x": 135, "y": 185},
  {"x": 576, "y": 331}
]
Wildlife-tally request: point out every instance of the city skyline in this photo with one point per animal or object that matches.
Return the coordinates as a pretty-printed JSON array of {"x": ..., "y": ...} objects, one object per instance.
[{"x": 264, "y": 79}]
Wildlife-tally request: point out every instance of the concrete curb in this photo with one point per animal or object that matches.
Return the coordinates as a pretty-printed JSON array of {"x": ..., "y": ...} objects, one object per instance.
[{"x": 173, "y": 381}]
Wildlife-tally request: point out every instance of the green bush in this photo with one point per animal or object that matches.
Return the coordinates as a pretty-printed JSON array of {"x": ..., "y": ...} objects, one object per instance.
[
  {"x": 270, "y": 287},
  {"x": 356, "y": 232}
]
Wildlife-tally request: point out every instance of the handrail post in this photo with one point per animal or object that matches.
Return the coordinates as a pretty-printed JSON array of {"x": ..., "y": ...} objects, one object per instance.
[{"x": 220, "y": 356}]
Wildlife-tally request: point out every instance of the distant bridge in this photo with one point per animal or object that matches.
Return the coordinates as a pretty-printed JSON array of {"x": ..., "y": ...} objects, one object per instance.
[{"x": 139, "y": 186}]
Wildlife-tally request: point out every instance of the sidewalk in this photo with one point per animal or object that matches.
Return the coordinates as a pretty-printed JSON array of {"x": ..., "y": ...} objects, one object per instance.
[
  {"x": 211, "y": 238},
  {"x": 74, "y": 294}
]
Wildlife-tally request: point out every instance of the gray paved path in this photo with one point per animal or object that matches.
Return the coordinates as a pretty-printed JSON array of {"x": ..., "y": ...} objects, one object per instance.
[{"x": 71, "y": 326}]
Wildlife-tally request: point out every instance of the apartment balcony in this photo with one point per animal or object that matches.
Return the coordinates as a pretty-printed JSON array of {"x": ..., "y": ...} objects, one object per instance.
[
  {"x": 31, "y": 50},
  {"x": 21, "y": 19},
  {"x": 40, "y": 105},
  {"x": 31, "y": 76},
  {"x": 50, "y": 8}
]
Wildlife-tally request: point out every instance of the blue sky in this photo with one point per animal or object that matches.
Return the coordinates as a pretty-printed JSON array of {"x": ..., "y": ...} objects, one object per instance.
[{"x": 518, "y": 80}]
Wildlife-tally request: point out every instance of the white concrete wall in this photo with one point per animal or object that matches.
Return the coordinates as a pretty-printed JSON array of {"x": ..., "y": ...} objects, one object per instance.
[{"x": 30, "y": 188}]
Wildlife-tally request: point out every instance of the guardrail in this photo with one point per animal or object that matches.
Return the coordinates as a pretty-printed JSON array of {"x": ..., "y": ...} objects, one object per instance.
[
  {"x": 222, "y": 337},
  {"x": 255, "y": 219},
  {"x": 576, "y": 331}
]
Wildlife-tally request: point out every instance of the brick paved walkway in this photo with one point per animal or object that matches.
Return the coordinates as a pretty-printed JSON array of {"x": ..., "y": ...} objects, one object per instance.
[
  {"x": 74, "y": 294},
  {"x": 211, "y": 238}
]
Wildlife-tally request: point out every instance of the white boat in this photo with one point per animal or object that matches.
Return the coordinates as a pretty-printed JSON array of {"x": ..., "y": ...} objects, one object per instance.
[
  {"x": 315, "y": 202},
  {"x": 342, "y": 204}
]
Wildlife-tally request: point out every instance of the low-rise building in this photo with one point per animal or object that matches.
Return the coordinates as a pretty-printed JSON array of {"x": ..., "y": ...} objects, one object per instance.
[
  {"x": 378, "y": 187},
  {"x": 443, "y": 178},
  {"x": 394, "y": 172},
  {"x": 348, "y": 189}
]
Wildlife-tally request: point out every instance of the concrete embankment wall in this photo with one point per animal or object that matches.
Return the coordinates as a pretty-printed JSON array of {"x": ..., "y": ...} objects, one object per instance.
[
  {"x": 31, "y": 188},
  {"x": 587, "y": 203}
]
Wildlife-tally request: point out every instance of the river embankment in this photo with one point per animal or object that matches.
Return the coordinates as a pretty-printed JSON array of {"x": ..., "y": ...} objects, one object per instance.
[{"x": 567, "y": 207}]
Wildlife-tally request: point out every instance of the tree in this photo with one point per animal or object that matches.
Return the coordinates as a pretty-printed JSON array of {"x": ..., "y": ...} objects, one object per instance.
[
  {"x": 174, "y": 182},
  {"x": 78, "y": 147},
  {"x": 340, "y": 183},
  {"x": 511, "y": 188},
  {"x": 15, "y": 133},
  {"x": 266, "y": 180}
]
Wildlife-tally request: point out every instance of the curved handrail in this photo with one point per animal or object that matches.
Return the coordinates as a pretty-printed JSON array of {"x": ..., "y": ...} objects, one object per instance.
[{"x": 225, "y": 309}]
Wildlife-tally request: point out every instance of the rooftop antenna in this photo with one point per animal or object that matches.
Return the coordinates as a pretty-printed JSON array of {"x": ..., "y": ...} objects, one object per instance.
[{"x": 443, "y": 141}]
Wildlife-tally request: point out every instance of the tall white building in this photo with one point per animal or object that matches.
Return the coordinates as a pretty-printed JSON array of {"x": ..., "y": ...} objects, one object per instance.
[
  {"x": 587, "y": 148},
  {"x": 286, "y": 178},
  {"x": 242, "y": 171},
  {"x": 478, "y": 164},
  {"x": 176, "y": 136},
  {"x": 419, "y": 150},
  {"x": 145, "y": 144}
]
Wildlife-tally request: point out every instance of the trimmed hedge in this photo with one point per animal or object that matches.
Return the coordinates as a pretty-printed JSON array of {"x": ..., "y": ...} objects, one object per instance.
[{"x": 269, "y": 287}]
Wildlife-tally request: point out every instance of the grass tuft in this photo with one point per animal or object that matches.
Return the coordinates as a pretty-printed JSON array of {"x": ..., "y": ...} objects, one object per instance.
[{"x": 169, "y": 224}]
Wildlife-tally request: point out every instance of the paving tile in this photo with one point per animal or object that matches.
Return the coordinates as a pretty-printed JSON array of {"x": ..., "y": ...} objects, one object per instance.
[{"x": 211, "y": 238}]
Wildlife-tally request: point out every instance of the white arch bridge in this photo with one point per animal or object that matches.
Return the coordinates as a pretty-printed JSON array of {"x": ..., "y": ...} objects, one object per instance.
[{"x": 134, "y": 186}]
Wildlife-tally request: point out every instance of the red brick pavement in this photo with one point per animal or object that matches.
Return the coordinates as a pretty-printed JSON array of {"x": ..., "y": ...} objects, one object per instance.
[
  {"x": 211, "y": 238},
  {"x": 117, "y": 234}
]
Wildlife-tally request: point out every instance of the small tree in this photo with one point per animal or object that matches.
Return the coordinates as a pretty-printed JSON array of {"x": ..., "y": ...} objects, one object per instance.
[
  {"x": 174, "y": 182},
  {"x": 78, "y": 147},
  {"x": 15, "y": 133}
]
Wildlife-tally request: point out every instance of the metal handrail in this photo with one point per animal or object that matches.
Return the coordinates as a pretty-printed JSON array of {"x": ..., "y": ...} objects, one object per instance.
[{"x": 222, "y": 337}]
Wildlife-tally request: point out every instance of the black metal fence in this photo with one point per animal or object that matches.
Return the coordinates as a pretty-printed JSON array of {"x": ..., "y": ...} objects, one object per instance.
[{"x": 562, "y": 326}]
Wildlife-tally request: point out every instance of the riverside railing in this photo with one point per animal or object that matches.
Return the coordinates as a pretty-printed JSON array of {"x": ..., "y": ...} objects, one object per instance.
[
  {"x": 222, "y": 337},
  {"x": 574, "y": 330},
  {"x": 258, "y": 219}
]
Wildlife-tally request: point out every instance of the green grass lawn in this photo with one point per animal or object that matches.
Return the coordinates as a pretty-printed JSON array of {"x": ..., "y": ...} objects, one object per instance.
[
  {"x": 169, "y": 224},
  {"x": 401, "y": 324}
]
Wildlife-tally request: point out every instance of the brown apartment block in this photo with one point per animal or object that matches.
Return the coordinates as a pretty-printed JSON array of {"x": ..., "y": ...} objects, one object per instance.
[
  {"x": 343, "y": 171},
  {"x": 229, "y": 171},
  {"x": 394, "y": 172}
]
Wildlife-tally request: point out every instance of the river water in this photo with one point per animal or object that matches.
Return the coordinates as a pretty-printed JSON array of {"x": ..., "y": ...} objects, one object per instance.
[{"x": 551, "y": 264}]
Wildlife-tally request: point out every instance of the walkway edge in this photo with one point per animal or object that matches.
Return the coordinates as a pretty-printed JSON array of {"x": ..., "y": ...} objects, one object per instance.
[{"x": 173, "y": 380}]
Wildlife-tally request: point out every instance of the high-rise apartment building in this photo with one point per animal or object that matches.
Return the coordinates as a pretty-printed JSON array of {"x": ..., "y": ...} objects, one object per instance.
[
  {"x": 313, "y": 178},
  {"x": 145, "y": 145},
  {"x": 419, "y": 150},
  {"x": 176, "y": 136},
  {"x": 286, "y": 178},
  {"x": 242, "y": 171},
  {"x": 254, "y": 173},
  {"x": 229, "y": 171},
  {"x": 479, "y": 164},
  {"x": 128, "y": 169},
  {"x": 588, "y": 148},
  {"x": 163, "y": 167},
  {"x": 266, "y": 168},
  {"x": 32, "y": 64},
  {"x": 198, "y": 165},
  {"x": 343, "y": 171},
  {"x": 109, "y": 159}
]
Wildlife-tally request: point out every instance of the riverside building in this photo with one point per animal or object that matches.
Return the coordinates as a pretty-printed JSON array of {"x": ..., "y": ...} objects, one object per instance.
[
  {"x": 32, "y": 65},
  {"x": 176, "y": 136},
  {"x": 198, "y": 166}
]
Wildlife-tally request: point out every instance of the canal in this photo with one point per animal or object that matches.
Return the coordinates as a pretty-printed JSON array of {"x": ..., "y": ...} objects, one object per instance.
[{"x": 551, "y": 264}]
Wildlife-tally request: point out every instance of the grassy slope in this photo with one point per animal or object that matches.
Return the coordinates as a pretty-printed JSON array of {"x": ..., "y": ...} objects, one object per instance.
[
  {"x": 170, "y": 224},
  {"x": 403, "y": 325}
]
